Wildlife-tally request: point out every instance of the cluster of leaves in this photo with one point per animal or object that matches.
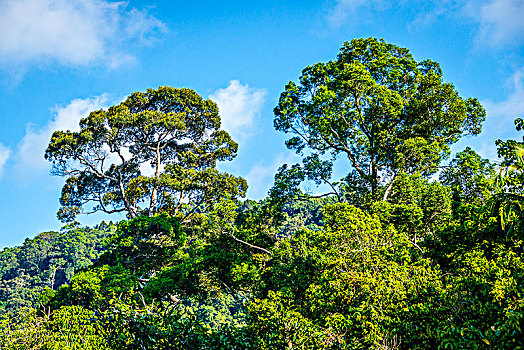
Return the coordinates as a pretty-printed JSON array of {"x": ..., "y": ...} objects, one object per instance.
[
  {"x": 300, "y": 214},
  {"x": 69, "y": 328}
]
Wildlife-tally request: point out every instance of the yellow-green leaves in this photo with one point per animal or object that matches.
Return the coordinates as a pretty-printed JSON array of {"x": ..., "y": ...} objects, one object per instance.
[{"x": 373, "y": 105}]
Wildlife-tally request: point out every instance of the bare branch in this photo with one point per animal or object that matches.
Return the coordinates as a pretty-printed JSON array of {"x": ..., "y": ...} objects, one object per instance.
[{"x": 246, "y": 243}]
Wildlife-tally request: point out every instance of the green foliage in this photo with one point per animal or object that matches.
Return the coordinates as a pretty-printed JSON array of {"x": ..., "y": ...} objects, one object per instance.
[
  {"x": 353, "y": 285},
  {"x": 157, "y": 287},
  {"x": 47, "y": 261},
  {"x": 468, "y": 176},
  {"x": 508, "y": 201},
  {"x": 511, "y": 168},
  {"x": 410, "y": 264},
  {"x": 68, "y": 328},
  {"x": 300, "y": 214},
  {"x": 485, "y": 299},
  {"x": 375, "y": 105},
  {"x": 172, "y": 131},
  {"x": 416, "y": 207}
]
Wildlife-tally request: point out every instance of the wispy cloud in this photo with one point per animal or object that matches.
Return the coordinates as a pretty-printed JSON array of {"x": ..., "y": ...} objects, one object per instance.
[
  {"x": 29, "y": 156},
  {"x": 73, "y": 33},
  {"x": 498, "y": 22},
  {"x": 502, "y": 114},
  {"x": 501, "y": 21},
  {"x": 500, "y": 118},
  {"x": 5, "y": 152},
  {"x": 261, "y": 176},
  {"x": 432, "y": 11},
  {"x": 343, "y": 9},
  {"x": 239, "y": 107},
  {"x": 513, "y": 105}
]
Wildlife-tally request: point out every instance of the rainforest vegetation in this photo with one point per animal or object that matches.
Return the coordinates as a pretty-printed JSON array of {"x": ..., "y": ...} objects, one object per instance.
[{"x": 410, "y": 248}]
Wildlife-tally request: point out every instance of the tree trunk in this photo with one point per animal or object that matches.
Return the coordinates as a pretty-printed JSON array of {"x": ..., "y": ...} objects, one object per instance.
[
  {"x": 152, "y": 200},
  {"x": 374, "y": 179}
]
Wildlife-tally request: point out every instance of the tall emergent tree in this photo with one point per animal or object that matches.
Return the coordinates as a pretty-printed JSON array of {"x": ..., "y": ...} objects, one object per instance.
[
  {"x": 156, "y": 151},
  {"x": 381, "y": 109}
]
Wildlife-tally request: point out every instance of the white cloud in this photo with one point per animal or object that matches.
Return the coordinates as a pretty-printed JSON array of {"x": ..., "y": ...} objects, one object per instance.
[
  {"x": 30, "y": 153},
  {"x": 513, "y": 106},
  {"x": 72, "y": 32},
  {"x": 239, "y": 106},
  {"x": 432, "y": 11},
  {"x": 5, "y": 152},
  {"x": 501, "y": 22},
  {"x": 343, "y": 9}
]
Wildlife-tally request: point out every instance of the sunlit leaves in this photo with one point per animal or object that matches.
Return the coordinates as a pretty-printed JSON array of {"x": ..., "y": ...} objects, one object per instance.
[
  {"x": 379, "y": 108},
  {"x": 121, "y": 159}
]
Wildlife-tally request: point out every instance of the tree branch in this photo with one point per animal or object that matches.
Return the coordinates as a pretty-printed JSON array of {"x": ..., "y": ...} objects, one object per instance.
[{"x": 246, "y": 243}]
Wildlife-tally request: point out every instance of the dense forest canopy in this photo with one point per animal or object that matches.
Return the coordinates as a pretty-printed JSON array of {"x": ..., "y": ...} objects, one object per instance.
[
  {"x": 47, "y": 261},
  {"x": 389, "y": 258}
]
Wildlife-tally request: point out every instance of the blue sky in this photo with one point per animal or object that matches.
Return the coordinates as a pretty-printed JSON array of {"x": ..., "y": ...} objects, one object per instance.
[{"x": 61, "y": 59}]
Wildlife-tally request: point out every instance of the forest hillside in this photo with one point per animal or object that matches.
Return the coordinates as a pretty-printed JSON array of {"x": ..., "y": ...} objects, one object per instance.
[{"x": 411, "y": 247}]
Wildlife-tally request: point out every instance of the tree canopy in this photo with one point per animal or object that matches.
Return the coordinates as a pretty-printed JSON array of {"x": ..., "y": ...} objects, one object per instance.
[
  {"x": 156, "y": 151},
  {"x": 376, "y": 105},
  {"x": 411, "y": 262},
  {"x": 46, "y": 262}
]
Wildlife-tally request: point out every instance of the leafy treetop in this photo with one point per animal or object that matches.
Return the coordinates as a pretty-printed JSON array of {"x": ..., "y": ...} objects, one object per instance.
[
  {"x": 156, "y": 151},
  {"x": 385, "y": 112}
]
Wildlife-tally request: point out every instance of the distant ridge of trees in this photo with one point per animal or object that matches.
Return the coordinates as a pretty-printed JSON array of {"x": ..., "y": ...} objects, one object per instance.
[{"x": 48, "y": 260}]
